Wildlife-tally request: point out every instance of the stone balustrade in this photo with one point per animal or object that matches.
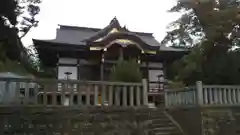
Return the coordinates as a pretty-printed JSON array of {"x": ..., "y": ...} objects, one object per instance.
[
  {"x": 180, "y": 97},
  {"x": 72, "y": 92},
  {"x": 203, "y": 95}
]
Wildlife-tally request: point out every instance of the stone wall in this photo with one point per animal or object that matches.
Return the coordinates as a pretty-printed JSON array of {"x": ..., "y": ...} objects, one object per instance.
[
  {"x": 218, "y": 121},
  {"x": 188, "y": 118},
  {"x": 208, "y": 120},
  {"x": 73, "y": 121}
]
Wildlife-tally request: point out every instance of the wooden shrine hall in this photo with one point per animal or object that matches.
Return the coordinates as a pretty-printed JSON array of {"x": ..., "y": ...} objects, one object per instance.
[{"x": 83, "y": 53}]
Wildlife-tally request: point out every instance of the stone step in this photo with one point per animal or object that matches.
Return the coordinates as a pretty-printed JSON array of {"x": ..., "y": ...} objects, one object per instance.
[
  {"x": 160, "y": 121},
  {"x": 157, "y": 110},
  {"x": 169, "y": 133},
  {"x": 174, "y": 131},
  {"x": 154, "y": 112},
  {"x": 162, "y": 124},
  {"x": 163, "y": 129},
  {"x": 158, "y": 116},
  {"x": 154, "y": 116}
]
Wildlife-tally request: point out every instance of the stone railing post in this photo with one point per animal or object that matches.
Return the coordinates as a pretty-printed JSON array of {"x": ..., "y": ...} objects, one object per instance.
[
  {"x": 166, "y": 99},
  {"x": 145, "y": 91},
  {"x": 6, "y": 93},
  {"x": 199, "y": 92}
]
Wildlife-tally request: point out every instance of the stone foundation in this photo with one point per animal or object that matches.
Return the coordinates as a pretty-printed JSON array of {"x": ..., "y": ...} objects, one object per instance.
[{"x": 74, "y": 121}]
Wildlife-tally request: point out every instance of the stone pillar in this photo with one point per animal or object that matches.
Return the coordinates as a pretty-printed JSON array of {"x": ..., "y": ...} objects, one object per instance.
[
  {"x": 117, "y": 96},
  {"x": 103, "y": 94},
  {"x": 124, "y": 96},
  {"x": 96, "y": 94},
  {"x": 145, "y": 91},
  {"x": 110, "y": 96},
  {"x": 131, "y": 96},
  {"x": 138, "y": 96},
  {"x": 199, "y": 93}
]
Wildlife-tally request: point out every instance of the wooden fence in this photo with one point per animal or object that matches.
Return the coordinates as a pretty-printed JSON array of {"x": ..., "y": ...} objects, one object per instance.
[
  {"x": 72, "y": 92},
  {"x": 203, "y": 95}
]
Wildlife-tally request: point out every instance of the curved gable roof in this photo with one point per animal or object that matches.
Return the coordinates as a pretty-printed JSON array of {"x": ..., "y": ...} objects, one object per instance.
[
  {"x": 103, "y": 32},
  {"x": 74, "y": 35},
  {"x": 123, "y": 35}
]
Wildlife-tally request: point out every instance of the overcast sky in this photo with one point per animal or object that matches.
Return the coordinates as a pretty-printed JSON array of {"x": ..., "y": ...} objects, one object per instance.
[{"x": 137, "y": 15}]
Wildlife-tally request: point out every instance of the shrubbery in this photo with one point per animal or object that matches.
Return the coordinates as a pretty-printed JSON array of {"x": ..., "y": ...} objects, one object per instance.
[{"x": 126, "y": 71}]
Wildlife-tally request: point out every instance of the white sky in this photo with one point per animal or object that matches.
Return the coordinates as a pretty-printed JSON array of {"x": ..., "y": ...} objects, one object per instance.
[{"x": 137, "y": 15}]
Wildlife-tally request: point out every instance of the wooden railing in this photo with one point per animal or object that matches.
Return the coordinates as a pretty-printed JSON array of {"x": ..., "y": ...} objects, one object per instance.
[
  {"x": 203, "y": 95},
  {"x": 72, "y": 92}
]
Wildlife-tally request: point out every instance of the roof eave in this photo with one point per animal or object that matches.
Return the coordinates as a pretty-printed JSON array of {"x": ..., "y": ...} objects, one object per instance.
[{"x": 35, "y": 41}]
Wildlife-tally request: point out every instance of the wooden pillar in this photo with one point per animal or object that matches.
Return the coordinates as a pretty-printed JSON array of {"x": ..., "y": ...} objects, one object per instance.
[
  {"x": 121, "y": 53},
  {"x": 63, "y": 95},
  {"x": 164, "y": 68},
  {"x": 78, "y": 69},
  {"x": 154, "y": 99},
  {"x": 102, "y": 68},
  {"x": 101, "y": 72},
  {"x": 57, "y": 66},
  {"x": 147, "y": 68}
]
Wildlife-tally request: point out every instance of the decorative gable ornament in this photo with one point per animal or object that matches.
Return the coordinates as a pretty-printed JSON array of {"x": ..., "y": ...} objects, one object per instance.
[
  {"x": 124, "y": 42},
  {"x": 114, "y": 30}
]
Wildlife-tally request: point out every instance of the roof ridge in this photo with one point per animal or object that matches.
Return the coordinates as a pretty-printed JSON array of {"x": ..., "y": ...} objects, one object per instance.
[
  {"x": 98, "y": 29},
  {"x": 142, "y": 33},
  {"x": 78, "y": 27}
]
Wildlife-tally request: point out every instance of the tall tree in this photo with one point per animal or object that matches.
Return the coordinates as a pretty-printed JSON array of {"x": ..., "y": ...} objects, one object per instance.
[
  {"x": 18, "y": 14},
  {"x": 215, "y": 25},
  {"x": 17, "y": 17},
  {"x": 208, "y": 19}
]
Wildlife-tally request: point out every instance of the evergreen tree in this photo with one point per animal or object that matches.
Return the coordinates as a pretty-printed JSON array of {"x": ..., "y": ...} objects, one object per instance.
[
  {"x": 211, "y": 29},
  {"x": 126, "y": 71}
]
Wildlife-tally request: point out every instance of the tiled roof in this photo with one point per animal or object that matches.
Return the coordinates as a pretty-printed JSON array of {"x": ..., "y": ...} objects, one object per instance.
[{"x": 79, "y": 35}]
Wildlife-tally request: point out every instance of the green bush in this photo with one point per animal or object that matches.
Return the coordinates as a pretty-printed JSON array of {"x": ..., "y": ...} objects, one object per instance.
[
  {"x": 12, "y": 66},
  {"x": 126, "y": 71},
  {"x": 175, "y": 85}
]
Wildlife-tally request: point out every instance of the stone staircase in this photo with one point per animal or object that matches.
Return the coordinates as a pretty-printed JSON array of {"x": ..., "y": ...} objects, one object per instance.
[{"x": 161, "y": 124}]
